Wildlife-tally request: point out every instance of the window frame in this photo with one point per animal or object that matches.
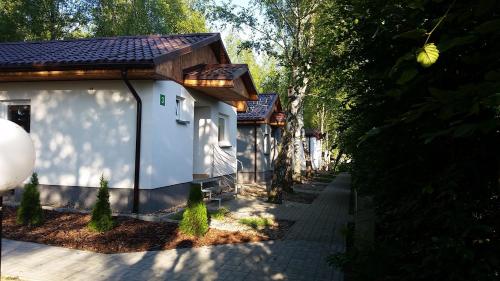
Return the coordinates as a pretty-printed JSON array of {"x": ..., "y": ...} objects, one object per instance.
[
  {"x": 179, "y": 101},
  {"x": 4, "y": 110},
  {"x": 267, "y": 143},
  {"x": 179, "y": 104},
  {"x": 224, "y": 141}
]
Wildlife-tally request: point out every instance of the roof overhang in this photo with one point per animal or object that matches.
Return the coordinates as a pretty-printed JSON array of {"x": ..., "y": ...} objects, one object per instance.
[
  {"x": 274, "y": 117},
  {"x": 228, "y": 82},
  {"x": 233, "y": 89}
]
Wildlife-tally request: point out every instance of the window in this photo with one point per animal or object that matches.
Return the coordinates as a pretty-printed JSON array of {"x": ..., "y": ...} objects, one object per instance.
[
  {"x": 223, "y": 131},
  {"x": 179, "y": 104},
  {"x": 178, "y": 107},
  {"x": 267, "y": 143},
  {"x": 18, "y": 112}
]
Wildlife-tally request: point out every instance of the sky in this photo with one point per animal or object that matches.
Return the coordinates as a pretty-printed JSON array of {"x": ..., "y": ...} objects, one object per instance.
[{"x": 244, "y": 34}]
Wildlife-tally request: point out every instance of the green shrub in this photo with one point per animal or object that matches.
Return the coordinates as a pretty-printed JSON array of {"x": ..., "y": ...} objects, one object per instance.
[
  {"x": 195, "y": 219},
  {"x": 30, "y": 210},
  {"x": 101, "y": 213}
]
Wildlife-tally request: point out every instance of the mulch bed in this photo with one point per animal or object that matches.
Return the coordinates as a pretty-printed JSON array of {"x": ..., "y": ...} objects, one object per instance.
[
  {"x": 254, "y": 190},
  {"x": 300, "y": 197},
  {"x": 70, "y": 230}
]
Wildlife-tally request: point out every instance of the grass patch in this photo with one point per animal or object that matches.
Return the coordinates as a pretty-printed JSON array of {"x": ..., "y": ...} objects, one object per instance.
[
  {"x": 256, "y": 223},
  {"x": 218, "y": 214}
]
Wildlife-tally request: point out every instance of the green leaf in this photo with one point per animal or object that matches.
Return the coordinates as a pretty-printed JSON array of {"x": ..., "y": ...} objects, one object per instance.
[
  {"x": 464, "y": 130},
  {"x": 428, "y": 55},
  {"x": 412, "y": 34},
  {"x": 488, "y": 27},
  {"x": 407, "y": 76},
  {"x": 455, "y": 42},
  {"x": 401, "y": 60}
]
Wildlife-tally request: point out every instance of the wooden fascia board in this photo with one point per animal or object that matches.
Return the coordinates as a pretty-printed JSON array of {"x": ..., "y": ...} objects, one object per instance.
[
  {"x": 78, "y": 67},
  {"x": 186, "y": 50},
  {"x": 250, "y": 85},
  {"x": 209, "y": 83},
  {"x": 259, "y": 122},
  {"x": 252, "y": 122},
  {"x": 83, "y": 74},
  {"x": 278, "y": 124},
  {"x": 219, "y": 49}
]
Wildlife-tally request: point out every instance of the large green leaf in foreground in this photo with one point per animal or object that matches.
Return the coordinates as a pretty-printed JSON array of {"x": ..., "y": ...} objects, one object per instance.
[{"x": 428, "y": 55}]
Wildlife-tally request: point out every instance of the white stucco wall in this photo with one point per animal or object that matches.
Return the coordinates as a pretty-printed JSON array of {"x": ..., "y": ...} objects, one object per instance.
[
  {"x": 315, "y": 146},
  {"x": 82, "y": 129},
  {"x": 172, "y": 148},
  {"x": 207, "y": 111}
]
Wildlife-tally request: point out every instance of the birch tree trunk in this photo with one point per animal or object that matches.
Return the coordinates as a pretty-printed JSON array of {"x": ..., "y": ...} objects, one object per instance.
[
  {"x": 282, "y": 175},
  {"x": 288, "y": 163}
]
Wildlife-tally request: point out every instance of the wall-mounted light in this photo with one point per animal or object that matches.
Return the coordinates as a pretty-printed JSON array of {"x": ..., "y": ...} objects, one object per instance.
[{"x": 91, "y": 91}]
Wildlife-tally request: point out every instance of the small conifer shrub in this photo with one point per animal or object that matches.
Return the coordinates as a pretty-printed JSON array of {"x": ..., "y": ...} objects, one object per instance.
[
  {"x": 30, "y": 210},
  {"x": 195, "y": 218},
  {"x": 101, "y": 213}
]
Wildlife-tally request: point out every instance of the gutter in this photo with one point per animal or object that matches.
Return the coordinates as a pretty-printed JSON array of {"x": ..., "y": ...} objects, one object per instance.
[
  {"x": 138, "y": 135},
  {"x": 255, "y": 153}
]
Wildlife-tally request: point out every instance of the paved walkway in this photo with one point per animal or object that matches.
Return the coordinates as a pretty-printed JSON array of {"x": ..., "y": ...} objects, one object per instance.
[{"x": 301, "y": 256}]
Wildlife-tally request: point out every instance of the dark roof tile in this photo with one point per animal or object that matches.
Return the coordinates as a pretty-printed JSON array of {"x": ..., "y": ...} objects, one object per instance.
[
  {"x": 260, "y": 109},
  {"x": 95, "y": 51}
]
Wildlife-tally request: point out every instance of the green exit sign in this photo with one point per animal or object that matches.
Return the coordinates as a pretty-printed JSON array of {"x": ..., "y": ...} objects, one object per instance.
[{"x": 162, "y": 100}]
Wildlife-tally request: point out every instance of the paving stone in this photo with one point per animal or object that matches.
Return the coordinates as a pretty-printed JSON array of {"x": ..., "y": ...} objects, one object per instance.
[{"x": 300, "y": 256}]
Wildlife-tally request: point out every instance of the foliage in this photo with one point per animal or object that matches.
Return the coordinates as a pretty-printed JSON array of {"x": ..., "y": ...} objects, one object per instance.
[
  {"x": 120, "y": 17},
  {"x": 284, "y": 30},
  {"x": 101, "y": 219},
  {"x": 219, "y": 214},
  {"x": 62, "y": 19},
  {"x": 30, "y": 209},
  {"x": 267, "y": 75},
  {"x": 256, "y": 222},
  {"x": 43, "y": 19},
  {"x": 423, "y": 139},
  {"x": 343, "y": 167},
  {"x": 195, "y": 218}
]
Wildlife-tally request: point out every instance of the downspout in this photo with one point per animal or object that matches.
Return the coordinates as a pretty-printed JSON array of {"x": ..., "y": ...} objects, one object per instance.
[
  {"x": 137, "y": 164},
  {"x": 255, "y": 153}
]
